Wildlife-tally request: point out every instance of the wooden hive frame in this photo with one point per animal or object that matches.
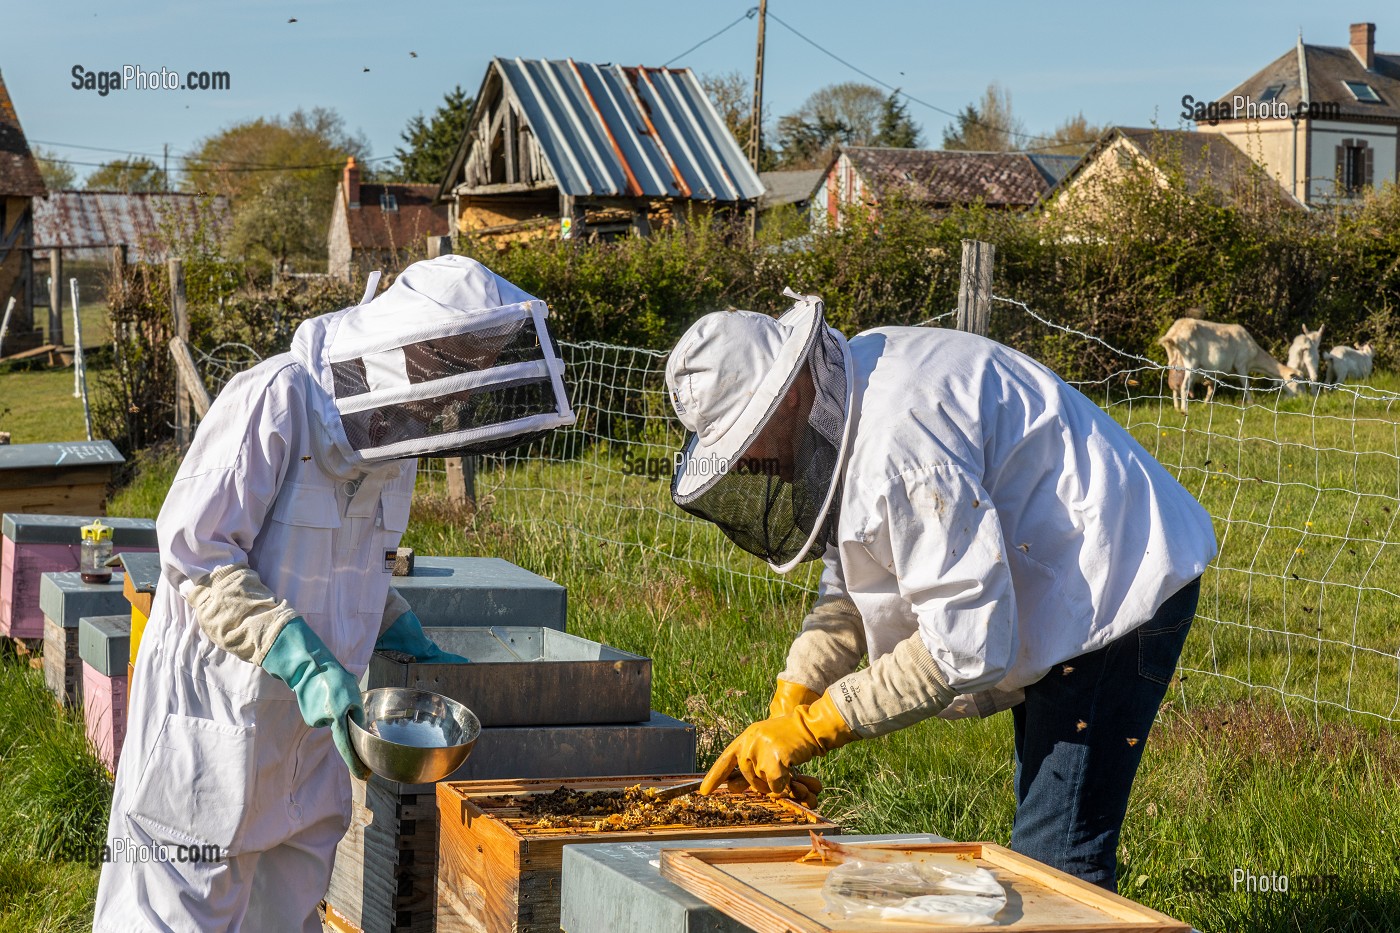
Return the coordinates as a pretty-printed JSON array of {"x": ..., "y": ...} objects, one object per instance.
[
  {"x": 493, "y": 877},
  {"x": 775, "y": 890}
]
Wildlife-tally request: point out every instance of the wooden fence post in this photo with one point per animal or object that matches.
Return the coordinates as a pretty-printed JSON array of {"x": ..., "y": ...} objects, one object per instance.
[
  {"x": 461, "y": 471},
  {"x": 56, "y": 297},
  {"x": 439, "y": 246},
  {"x": 180, "y": 312},
  {"x": 187, "y": 374},
  {"x": 975, "y": 286}
]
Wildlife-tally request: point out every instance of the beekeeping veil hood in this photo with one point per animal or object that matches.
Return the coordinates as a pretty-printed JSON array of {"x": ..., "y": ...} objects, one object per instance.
[
  {"x": 728, "y": 377},
  {"x": 450, "y": 359}
]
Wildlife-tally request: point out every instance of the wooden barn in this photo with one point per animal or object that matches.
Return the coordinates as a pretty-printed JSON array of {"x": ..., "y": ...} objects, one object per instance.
[
  {"x": 568, "y": 149},
  {"x": 20, "y": 184}
]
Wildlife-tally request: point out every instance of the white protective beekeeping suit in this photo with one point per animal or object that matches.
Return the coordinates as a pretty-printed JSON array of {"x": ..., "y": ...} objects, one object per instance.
[
  {"x": 980, "y": 521},
  {"x": 296, "y": 488}
]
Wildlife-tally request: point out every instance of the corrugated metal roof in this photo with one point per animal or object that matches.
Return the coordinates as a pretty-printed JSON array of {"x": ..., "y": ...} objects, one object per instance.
[
  {"x": 614, "y": 131},
  {"x": 92, "y": 219}
]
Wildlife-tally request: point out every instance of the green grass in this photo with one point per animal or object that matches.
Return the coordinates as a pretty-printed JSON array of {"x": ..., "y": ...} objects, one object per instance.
[
  {"x": 37, "y": 406},
  {"x": 1233, "y": 778},
  {"x": 54, "y": 797}
]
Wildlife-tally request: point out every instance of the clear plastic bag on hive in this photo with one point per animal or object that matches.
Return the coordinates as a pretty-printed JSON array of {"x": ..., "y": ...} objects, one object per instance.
[{"x": 931, "y": 889}]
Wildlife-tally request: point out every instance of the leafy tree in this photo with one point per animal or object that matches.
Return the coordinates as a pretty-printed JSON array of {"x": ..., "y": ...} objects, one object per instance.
[
  {"x": 988, "y": 125},
  {"x": 1075, "y": 136},
  {"x": 126, "y": 175},
  {"x": 432, "y": 142},
  {"x": 732, "y": 95},
  {"x": 276, "y": 221},
  {"x": 845, "y": 114},
  {"x": 298, "y": 158},
  {"x": 57, "y": 173},
  {"x": 896, "y": 129}
]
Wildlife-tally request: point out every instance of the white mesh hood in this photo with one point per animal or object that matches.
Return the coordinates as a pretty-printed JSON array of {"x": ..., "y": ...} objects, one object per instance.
[{"x": 450, "y": 358}]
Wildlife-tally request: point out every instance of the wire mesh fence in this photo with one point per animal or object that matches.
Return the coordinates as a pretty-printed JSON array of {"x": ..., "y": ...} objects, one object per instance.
[{"x": 1304, "y": 491}]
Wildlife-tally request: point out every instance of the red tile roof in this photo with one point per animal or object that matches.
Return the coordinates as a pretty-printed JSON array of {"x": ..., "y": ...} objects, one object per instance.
[{"x": 373, "y": 227}]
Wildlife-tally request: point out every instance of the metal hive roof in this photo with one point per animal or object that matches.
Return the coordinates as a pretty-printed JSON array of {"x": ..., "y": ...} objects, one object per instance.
[{"x": 615, "y": 131}]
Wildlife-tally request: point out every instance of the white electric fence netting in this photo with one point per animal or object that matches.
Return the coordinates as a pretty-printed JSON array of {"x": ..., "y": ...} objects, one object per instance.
[{"x": 1304, "y": 491}]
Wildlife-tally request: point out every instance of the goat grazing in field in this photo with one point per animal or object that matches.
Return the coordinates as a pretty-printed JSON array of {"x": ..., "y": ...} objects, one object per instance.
[
  {"x": 1176, "y": 374},
  {"x": 1304, "y": 354},
  {"x": 1345, "y": 363},
  {"x": 1197, "y": 346}
]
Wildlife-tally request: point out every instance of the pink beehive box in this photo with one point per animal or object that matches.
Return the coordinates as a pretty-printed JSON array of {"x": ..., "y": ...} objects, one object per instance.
[
  {"x": 104, "y": 642},
  {"x": 104, "y": 708},
  {"x": 33, "y": 545}
]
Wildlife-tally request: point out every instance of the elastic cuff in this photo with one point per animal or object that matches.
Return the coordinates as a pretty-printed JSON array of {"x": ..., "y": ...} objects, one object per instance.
[
  {"x": 898, "y": 690},
  {"x": 237, "y": 611}
]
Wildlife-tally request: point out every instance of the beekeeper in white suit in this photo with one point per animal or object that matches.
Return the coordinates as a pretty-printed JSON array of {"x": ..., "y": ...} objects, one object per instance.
[
  {"x": 990, "y": 536},
  {"x": 276, "y": 543}
]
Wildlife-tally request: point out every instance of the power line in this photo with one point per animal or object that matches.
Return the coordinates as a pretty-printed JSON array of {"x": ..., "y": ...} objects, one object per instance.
[
  {"x": 895, "y": 90},
  {"x": 239, "y": 167},
  {"x": 752, "y": 11},
  {"x": 271, "y": 166}
]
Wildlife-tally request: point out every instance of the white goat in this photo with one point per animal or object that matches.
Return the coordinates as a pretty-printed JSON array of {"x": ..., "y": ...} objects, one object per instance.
[
  {"x": 1303, "y": 354},
  {"x": 1345, "y": 363},
  {"x": 1203, "y": 346}
]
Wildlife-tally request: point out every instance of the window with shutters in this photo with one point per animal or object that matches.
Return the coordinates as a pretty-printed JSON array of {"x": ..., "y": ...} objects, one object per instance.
[{"x": 1355, "y": 166}]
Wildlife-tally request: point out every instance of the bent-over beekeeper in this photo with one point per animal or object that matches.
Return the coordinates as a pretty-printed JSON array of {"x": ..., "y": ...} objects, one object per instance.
[{"x": 990, "y": 537}]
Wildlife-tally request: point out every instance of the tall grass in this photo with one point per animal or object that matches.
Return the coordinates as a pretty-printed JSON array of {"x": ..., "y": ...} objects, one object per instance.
[{"x": 54, "y": 797}]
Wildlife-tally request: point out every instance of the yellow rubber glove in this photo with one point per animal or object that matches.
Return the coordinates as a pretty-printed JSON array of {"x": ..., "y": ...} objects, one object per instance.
[
  {"x": 766, "y": 752},
  {"x": 788, "y": 697}
]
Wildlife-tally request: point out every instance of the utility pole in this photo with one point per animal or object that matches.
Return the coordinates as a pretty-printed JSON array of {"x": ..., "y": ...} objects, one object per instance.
[
  {"x": 165, "y": 168},
  {"x": 756, "y": 121}
]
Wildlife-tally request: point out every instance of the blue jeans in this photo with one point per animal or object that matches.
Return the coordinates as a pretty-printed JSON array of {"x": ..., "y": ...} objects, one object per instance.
[{"x": 1080, "y": 735}]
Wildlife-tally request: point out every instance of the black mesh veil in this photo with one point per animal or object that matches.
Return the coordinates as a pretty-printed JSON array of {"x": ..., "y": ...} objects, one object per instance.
[{"x": 771, "y": 504}]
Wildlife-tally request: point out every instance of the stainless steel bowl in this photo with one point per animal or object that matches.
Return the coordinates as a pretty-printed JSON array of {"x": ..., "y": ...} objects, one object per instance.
[{"x": 413, "y": 736}]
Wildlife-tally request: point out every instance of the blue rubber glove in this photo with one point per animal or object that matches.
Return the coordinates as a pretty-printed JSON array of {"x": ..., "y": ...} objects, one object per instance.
[
  {"x": 406, "y": 636},
  {"x": 326, "y": 693}
]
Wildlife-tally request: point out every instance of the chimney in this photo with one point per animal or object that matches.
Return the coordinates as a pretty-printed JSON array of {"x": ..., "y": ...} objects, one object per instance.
[
  {"x": 350, "y": 182},
  {"x": 1363, "y": 44}
]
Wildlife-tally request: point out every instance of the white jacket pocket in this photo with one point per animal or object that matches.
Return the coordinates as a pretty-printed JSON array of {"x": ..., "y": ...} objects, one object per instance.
[{"x": 195, "y": 783}]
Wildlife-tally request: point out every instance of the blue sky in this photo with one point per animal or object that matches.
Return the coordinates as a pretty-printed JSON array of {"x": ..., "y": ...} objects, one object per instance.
[{"x": 1118, "y": 62}]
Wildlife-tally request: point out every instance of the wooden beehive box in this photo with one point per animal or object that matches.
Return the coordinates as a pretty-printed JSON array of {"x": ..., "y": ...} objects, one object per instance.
[
  {"x": 384, "y": 867},
  {"x": 65, "y": 600},
  {"x": 495, "y": 875},
  {"x": 68, "y": 478}
]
